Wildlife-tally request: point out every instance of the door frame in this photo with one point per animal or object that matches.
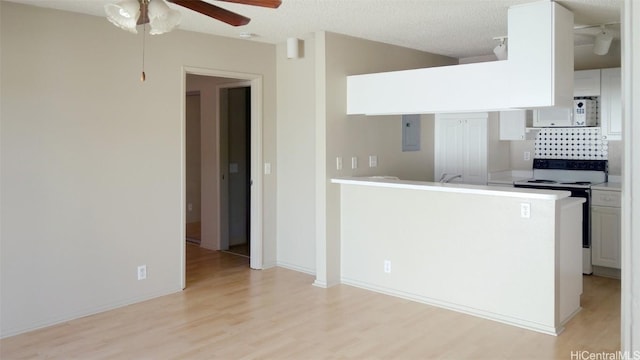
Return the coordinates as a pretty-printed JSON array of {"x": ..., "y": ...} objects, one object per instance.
[
  {"x": 223, "y": 231},
  {"x": 256, "y": 211}
]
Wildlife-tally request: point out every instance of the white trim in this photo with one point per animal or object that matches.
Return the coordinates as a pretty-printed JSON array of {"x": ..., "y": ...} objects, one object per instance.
[
  {"x": 630, "y": 312},
  {"x": 521, "y": 323},
  {"x": 256, "y": 174},
  {"x": 183, "y": 182},
  {"x": 255, "y": 80}
]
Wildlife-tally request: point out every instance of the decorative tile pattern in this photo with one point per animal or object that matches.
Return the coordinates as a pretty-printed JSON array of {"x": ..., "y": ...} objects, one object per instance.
[{"x": 571, "y": 143}]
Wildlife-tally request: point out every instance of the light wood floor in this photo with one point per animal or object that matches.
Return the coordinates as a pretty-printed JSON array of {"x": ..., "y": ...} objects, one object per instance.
[
  {"x": 193, "y": 232},
  {"x": 231, "y": 312}
]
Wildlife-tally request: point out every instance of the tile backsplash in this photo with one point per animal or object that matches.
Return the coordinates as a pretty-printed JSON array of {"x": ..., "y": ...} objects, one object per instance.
[{"x": 571, "y": 143}]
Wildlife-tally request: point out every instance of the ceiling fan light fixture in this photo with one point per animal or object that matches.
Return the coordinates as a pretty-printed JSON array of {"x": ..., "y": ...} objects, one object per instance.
[
  {"x": 603, "y": 42},
  {"x": 124, "y": 14},
  {"x": 501, "y": 50},
  {"x": 161, "y": 17}
]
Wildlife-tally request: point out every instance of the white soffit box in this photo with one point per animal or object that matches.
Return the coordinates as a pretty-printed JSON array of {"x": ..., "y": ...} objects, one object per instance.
[{"x": 537, "y": 73}]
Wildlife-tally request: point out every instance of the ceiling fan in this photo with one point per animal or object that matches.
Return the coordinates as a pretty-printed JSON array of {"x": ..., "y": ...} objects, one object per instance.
[{"x": 127, "y": 14}]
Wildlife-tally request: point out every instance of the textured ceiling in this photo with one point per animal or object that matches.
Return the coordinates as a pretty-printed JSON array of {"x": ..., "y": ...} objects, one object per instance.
[{"x": 456, "y": 28}]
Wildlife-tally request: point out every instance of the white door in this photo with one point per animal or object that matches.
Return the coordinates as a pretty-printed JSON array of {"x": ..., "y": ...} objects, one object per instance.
[
  {"x": 475, "y": 165},
  {"x": 461, "y": 148},
  {"x": 449, "y": 143}
]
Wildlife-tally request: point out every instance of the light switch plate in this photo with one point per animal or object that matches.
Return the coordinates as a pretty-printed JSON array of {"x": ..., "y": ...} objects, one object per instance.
[
  {"x": 373, "y": 161},
  {"x": 354, "y": 162},
  {"x": 339, "y": 163}
]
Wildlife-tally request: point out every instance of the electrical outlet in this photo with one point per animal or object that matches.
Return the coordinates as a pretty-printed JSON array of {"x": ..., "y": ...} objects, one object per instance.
[
  {"x": 525, "y": 210},
  {"x": 142, "y": 272},
  {"x": 527, "y": 155},
  {"x": 189, "y": 207},
  {"x": 354, "y": 162},
  {"x": 339, "y": 163},
  {"x": 387, "y": 266},
  {"x": 267, "y": 168}
]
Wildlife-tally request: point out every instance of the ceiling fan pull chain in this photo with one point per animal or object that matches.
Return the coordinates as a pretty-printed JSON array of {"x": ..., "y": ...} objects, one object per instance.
[{"x": 143, "y": 77}]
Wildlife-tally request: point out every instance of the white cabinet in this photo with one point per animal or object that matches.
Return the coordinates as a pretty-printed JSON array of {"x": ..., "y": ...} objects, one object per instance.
[
  {"x": 605, "y": 228},
  {"x": 540, "y": 56},
  {"x": 538, "y": 73},
  {"x": 516, "y": 125},
  {"x": 461, "y": 147},
  {"x": 586, "y": 83},
  {"x": 611, "y": 104}
]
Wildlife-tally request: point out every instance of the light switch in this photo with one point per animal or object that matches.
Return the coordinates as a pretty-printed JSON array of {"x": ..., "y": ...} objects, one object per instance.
[{"x": 373, "y": 161}]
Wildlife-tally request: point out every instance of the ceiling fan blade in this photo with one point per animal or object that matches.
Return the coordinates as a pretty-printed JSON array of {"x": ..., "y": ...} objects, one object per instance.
[
  {"x": 213, "y": 11},
  {"x": 264, "y": 3}
]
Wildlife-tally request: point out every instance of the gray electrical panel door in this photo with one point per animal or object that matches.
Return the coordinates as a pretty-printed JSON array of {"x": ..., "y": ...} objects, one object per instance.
[{"x": 411, "y": 132}]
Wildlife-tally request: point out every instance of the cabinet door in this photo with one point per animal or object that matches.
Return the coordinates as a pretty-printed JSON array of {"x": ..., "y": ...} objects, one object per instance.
[
  {"x": 605, "y": 236},
  {"x": 475, "y": 154},
  {"x": 611, "y": 104},
  {"x": 461, "y": 147},
  {"x": 449, "y": 147},
  {"x": 586, "y": 83},
  {"x": 512, "y": 125}
]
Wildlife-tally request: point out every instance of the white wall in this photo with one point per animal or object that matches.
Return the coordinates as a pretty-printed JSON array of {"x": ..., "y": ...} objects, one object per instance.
[
  {"x": 193, "y": 164},
  {"x": 209, "y": 175},
  {"x": 296, "y": 157},
  {"x": 92, "y": 160},
  {"x": 359, "y": 136},
  {"x": 312, "y": 105},
  {"x": 506, "y": 272}
]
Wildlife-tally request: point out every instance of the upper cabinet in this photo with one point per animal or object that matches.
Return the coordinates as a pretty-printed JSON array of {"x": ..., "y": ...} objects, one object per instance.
[
  {"x": 516, "y": 125},
  {"x": 538, "y": 73},
  {"x": 611, "y": 104},
  {"x": 586, "y": 83},
  {"x": 540, "y": 55}
]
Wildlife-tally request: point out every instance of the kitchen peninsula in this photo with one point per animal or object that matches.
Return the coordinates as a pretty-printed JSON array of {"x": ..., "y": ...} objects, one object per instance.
[{"x": 506, "y": 254}]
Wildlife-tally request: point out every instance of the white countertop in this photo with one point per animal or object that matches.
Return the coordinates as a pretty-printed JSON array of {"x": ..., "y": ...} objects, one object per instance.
[
  {"x": 455, "y": 188},
  {"x": 509, "y": 176},
  {"x": 609, "y": 186}
]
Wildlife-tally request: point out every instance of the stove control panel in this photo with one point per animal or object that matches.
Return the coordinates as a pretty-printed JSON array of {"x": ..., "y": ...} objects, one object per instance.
[{"x": 560, "y": 164}]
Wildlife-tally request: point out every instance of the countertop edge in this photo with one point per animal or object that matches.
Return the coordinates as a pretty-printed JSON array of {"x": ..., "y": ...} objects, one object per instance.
[
  {"x": 455, "y": 188},
  {"x": 608, "y": 186}
]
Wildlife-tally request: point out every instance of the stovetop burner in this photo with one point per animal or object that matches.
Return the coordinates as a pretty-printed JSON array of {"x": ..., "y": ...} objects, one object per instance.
[
  {"x": 541, "y": 181},
  {"x": 577, "y": 183}
]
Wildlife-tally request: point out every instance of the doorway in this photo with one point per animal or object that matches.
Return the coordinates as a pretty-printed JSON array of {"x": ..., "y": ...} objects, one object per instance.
[
  {"x": 211, "y": 82},
  {"x": 235, "y": 161}
]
